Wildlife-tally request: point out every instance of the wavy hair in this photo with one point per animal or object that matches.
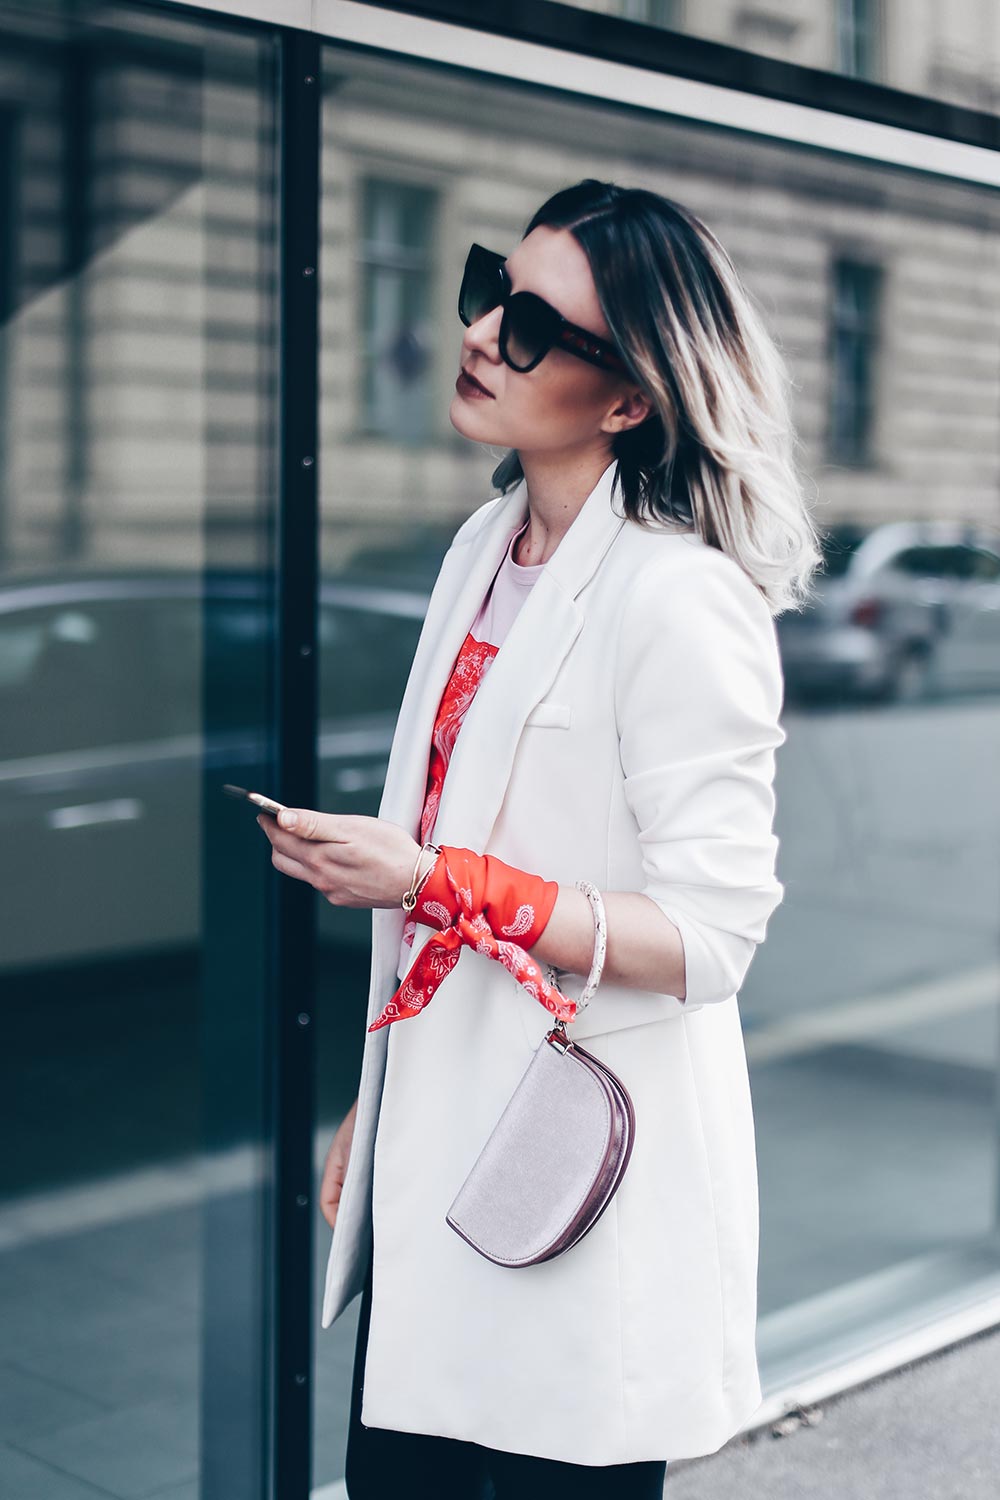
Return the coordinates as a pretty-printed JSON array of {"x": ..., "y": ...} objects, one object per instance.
[{"x": 717, "y": 454}]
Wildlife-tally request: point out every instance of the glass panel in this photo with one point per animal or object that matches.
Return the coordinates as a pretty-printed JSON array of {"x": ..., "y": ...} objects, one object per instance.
[
  {"x": 137, "y": 494},
  {"x": 396, "y": 266},
  {"x": 946, "y": 53},
  {"x": 871, "y": 1012},
  {"x": 855, "y": 319}
]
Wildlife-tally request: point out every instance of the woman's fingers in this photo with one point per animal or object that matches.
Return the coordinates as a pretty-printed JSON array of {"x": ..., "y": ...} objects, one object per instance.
[
  {"x": 289, "y": 866},
  {"x": 333, "y": 1182},
  {"x": 353, "y": 861},
  {"x": 307, "y": 823},
  {"x": 281, "y": 860},
  {"x": 335, "y": 1169},
  {"x": 329, "y": 1198}
]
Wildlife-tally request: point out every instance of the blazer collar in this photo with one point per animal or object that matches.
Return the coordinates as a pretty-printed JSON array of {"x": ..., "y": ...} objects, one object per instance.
[{"x": 521, "y": 673}]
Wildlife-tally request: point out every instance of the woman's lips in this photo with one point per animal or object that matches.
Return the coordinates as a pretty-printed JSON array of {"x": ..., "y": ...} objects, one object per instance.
[{"x": 468, "y": 388}]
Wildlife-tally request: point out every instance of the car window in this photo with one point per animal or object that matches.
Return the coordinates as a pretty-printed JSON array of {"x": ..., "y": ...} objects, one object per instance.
[
  {"x": 927, "y": 561},
  {"x": 74, "y": 676},
  {"x": 81, "y": 676},
  {"x": 983, "y": 566},
  {"x": 231, "y": 638},
  {"x": 365, "y": 658}
]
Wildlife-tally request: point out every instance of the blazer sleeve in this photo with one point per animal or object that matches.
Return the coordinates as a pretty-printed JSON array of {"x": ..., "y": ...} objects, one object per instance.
[{"x": 698, "y": 693}]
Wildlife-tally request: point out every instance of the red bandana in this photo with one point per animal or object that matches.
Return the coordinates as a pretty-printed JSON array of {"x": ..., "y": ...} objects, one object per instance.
[
  {"x": 475, "y": 899},
  {"x": 471, "y": 665},
  {"x": 479, "y": 900}
]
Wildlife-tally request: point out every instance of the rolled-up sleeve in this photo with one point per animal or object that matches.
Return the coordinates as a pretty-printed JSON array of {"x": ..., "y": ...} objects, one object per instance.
[{"x": 698, "y": 695}]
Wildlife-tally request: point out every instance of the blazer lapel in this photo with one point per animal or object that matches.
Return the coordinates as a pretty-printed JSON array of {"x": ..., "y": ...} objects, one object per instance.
[
  {"x": 465, "y": 575},
  {"x": 526, "y": 665},
  {"x": 521, "y": 672}
]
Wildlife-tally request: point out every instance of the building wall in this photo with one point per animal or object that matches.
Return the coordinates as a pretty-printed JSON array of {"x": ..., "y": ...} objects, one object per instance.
[{"x": 114, "y": 447}]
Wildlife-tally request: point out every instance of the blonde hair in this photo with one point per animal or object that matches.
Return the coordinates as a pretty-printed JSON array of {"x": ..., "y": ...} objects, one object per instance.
[{"x": 717, "y": 455}]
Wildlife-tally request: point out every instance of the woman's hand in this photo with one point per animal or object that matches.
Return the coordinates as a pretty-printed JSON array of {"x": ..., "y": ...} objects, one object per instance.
[
  {"x": 351, "y": 860},
  {"x": 335, "y": 1169}
]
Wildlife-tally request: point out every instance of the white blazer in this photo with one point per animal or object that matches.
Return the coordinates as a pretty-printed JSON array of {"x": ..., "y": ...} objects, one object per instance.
[{"x": 625, "y": 734}]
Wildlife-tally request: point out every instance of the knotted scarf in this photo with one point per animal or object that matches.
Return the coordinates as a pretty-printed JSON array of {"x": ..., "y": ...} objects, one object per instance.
[{"x": 492, "y": 907}]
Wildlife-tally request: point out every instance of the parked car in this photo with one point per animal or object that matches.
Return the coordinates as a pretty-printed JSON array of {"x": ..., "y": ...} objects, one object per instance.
[
  {"x": 106, "y": 735},
  {"x": 903, "y": 611}
]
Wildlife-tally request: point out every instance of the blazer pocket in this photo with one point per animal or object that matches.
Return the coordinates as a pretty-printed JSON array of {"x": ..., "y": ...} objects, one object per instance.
[{"x": 550, "y": 715}]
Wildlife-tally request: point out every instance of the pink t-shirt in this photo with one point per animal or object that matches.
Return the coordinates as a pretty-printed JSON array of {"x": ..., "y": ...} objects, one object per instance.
[
  {"x": 510, "y": 588},
  {"x": 511, "y": 585}
]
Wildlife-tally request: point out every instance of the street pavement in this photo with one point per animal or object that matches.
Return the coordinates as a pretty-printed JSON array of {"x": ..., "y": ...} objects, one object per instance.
[{"x": 930, "y": 1431}]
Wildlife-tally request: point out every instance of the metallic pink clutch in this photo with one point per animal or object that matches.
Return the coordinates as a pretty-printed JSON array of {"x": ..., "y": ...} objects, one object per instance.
[{"x": 553, "y": 1162}]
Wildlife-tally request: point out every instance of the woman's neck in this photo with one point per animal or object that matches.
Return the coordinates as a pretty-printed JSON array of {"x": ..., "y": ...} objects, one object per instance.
[{"x": 557, "y": 492}]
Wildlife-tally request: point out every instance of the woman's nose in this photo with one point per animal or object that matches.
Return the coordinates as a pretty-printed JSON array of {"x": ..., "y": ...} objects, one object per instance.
[{"x": 484, "y": 335}]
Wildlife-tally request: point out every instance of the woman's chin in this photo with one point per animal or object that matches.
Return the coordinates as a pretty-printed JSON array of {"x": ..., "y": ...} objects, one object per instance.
[{"x": 466, "y": 419}]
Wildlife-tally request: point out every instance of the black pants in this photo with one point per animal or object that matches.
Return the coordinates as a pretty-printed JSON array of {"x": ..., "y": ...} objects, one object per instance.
[{"x": 382, "y": 1463}]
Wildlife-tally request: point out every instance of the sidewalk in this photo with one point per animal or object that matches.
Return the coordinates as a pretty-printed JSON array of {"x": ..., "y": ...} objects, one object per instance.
[{"x": 930, "y": 1431}]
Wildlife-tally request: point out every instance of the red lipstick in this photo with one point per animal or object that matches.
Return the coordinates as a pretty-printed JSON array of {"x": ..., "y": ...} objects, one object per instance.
[{"x": 467, "y": 385}]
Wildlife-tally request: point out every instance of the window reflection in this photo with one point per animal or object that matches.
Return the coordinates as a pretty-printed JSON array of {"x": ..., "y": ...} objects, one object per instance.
[
  {"x": 396, "y": 261},
  {"x": 853, "y": 350},
  {"x": 873, "y": 1070},
  {"x": 952, "y": 55},
  {"x": 858, "y": 38},
  {"x": 137, "y": 287}
]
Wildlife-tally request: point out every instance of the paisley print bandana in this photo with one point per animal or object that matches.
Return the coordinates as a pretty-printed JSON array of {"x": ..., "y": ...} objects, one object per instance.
[
  {"x": 471, "y": 665},
  {"x": 479, "y": 900}
]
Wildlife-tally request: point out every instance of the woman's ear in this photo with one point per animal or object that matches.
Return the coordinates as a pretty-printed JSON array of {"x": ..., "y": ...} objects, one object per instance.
[{"x": 631, "y": 408}]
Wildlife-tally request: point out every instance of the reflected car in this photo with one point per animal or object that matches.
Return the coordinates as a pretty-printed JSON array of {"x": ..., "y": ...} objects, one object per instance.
[
  {"x": 105, "y": 742},
  {"x": 903, "y": 611}
]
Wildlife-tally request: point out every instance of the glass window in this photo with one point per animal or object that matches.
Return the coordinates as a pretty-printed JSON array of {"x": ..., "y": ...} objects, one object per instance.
[
  {"x": 242, "y": 630},
  {"x": 983, "y": 566},
  {"x": 138, "y": 244},
  {"x": 367, "y": 640},
  {"x": 951, "y": 56},
  {"x": 853, "y": 345},
  {"x": 880, "y": 1062},
  {"x": 396, "y": 256},
  {"x": 651, "y": 12},
  {"x": 934, "y": 562},
  {"x": 68, "y": 674},
  {"x": 858, "y": 33}
]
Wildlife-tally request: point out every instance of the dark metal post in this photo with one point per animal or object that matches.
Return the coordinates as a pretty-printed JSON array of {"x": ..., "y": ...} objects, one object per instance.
[{"x": 294, "y": 947}]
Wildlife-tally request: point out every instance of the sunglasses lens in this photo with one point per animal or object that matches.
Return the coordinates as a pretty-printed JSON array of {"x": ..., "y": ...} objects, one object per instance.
[
  {"x": 482, "y": 289},
  {"x": 528, "y": 332},
  {"x": 529, "y": 326}
]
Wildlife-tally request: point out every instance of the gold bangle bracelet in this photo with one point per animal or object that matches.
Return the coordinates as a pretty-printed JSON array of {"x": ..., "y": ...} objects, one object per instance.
[{"x": 410, "y": 899}]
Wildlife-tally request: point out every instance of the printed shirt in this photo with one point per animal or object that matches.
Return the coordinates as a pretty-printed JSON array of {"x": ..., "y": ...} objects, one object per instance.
[{"x": 510, "y": 588}]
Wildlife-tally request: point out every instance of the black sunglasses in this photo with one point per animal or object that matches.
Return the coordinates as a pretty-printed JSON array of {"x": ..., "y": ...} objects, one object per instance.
[{"x": 530, "y": 326}]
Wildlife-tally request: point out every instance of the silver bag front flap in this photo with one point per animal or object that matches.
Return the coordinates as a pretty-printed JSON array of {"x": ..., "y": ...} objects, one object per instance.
[{"x": 532, "y": 1176}]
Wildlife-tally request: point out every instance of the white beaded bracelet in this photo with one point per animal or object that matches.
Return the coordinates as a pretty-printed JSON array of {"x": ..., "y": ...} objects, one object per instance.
[{"x": 600, "y": 947}]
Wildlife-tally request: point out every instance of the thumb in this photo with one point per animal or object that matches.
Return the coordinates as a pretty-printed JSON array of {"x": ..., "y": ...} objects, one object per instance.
[{"x": 304, "y": 822}]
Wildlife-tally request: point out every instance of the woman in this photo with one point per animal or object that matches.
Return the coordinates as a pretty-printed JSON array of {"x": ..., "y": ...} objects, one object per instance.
[{"x": 595, "y": 696}]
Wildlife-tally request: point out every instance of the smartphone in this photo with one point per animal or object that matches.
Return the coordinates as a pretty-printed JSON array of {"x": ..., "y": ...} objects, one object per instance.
[{"x": 266, "y": 804}]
